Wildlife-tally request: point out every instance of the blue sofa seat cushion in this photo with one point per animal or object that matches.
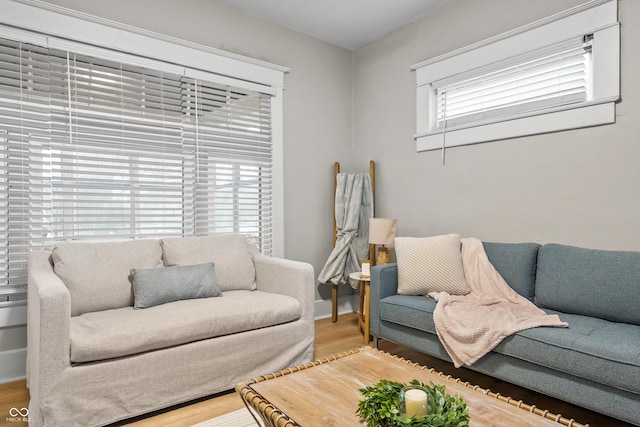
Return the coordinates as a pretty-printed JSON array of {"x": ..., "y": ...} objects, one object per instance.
[
  {"x": 593, "y": 349},
  {"x": 406, "y": 310},
  {"x": 589, "y": 282}
]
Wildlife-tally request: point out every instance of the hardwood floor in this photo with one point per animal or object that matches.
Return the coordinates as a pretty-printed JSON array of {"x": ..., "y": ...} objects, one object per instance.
[{"x": 331, "y": 338}]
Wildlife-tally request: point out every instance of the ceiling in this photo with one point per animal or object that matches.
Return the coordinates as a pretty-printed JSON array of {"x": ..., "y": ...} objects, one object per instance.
[{"x": 350, "y": 24}]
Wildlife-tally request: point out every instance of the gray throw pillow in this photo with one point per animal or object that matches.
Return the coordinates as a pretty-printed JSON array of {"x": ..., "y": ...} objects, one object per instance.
[{"x": 161, "y": 285}]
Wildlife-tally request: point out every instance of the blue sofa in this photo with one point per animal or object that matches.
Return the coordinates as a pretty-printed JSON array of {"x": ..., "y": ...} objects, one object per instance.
[{"x": 595, "y": 363}]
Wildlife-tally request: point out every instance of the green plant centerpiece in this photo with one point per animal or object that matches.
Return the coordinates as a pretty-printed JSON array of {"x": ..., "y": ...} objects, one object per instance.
[{"x": 380, "y": 407}]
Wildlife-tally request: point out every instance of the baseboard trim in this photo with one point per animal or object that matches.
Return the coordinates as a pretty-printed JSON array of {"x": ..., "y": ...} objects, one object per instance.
[
  {"x": 13, "y": 365},
  {"x": 346, "y": 304},
  {"x": 13, "y": 315}
]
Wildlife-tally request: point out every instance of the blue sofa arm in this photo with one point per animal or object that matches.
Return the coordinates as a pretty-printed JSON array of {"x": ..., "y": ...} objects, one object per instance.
[{"x": 384, "y": 283}]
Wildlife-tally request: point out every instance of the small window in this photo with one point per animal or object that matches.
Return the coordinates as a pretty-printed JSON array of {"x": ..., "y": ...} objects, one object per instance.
[{"x": 557, "y": 74}]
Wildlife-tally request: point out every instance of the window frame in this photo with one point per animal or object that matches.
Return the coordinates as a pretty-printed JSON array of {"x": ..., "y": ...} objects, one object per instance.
[
  {"x": 47, "y": 25},
  {"x": 598, "y": 17}
]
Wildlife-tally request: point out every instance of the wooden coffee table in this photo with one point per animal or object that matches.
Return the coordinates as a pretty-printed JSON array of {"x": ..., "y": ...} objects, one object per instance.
[{"x": 326, "y": 393}]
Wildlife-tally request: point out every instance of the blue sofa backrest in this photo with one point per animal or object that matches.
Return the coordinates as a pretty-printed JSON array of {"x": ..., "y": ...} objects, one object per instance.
[
  {"x": 589, "y": 282},
  {"x": 516, "y": 263}
]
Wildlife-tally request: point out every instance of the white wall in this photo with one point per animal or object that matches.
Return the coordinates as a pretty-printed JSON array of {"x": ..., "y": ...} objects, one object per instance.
[{"x": 579, "y": 187}]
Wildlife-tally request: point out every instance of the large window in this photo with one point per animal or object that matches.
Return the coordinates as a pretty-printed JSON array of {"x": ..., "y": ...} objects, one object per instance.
[
  {"x": 557, "y": 74},
  {"x": 94, "y": 147}
]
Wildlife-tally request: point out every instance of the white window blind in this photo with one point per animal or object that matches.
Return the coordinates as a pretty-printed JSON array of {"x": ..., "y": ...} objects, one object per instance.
[
  {"x": 229, "y": 130},
  {"x": 98, "y": 149},
  {"x": 546, "y": 78}
]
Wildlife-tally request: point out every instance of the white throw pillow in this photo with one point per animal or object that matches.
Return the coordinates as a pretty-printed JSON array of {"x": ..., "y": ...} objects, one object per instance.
[
  {"x": 96, "y": 273},
  {"x": 231, "y": 254},
  {"x": 430, "y": 264}
]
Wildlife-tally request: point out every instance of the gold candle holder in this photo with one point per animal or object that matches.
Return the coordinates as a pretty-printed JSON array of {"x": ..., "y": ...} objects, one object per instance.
[
  {"x": 382, "y": 231},
  {"x": 383, "y": 256}
]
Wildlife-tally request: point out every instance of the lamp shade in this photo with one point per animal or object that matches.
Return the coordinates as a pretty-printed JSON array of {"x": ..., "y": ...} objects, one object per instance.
[{"x": 382, "y": 231}]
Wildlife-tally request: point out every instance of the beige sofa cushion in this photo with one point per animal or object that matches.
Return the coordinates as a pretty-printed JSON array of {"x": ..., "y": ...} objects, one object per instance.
[
  {"x": 96, "y": 274},
  {"x": 232, "y": 255},
  {"x": 108, "y": 334}
]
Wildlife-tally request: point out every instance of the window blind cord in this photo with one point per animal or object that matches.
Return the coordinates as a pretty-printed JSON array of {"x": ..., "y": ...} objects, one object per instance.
[
  {"x": 69, "y": 97},
  {"x": 21, "y": 141},
  {"x": 133, "y": 227},
  {"x": 164, "y": 133},
  {"x": 444, "y": 129},
  {"x": 69, "y": 100},
  {"x": 195, "y": 90}
]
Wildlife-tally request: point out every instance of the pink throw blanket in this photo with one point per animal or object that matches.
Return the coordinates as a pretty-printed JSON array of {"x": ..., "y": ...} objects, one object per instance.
[{"x": 469, "y": 326}]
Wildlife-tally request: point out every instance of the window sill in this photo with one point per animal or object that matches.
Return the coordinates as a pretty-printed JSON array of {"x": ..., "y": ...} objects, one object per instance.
[{"x": 585, "y": 115}]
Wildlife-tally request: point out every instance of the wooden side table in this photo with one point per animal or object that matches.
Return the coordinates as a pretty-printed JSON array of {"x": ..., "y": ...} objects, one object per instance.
[{"x": 364, "y": 323}]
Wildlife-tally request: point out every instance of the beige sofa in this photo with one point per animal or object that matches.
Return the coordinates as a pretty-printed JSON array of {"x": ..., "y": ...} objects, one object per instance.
[{"x": 93, "y": 359}]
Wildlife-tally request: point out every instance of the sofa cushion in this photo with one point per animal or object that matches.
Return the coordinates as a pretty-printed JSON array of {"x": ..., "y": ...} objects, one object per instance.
[
  {"x": 591, "y": 348},
  {"x": 430, "y": 264},
  {"x": 516, "y": 263},
  {"x": 406, "y": 310},
  {"x": 157, "y": 286},
  {"x": 594, "y": 349},
  {"x": 108, "y": 334},
  {"x": 589, "y": 282},
  {"x": 232, "y": 255},
  {"x": 96, "y": 274}
]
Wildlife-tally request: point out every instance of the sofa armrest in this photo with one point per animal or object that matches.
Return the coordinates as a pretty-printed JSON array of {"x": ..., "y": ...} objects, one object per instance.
[
  {"x": 48, "y": 325},
  {"x": 384, "y": 283},
  {"x": 287, "y": 277}
]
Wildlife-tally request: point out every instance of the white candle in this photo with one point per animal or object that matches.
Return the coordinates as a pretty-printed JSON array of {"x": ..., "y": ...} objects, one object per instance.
[
  {"x": 415, "y": 403},
  {"x": 366, "y": 268}
]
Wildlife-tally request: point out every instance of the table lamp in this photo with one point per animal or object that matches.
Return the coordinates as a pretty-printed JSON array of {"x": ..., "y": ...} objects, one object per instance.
[{"x": 382, "y": 231}]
